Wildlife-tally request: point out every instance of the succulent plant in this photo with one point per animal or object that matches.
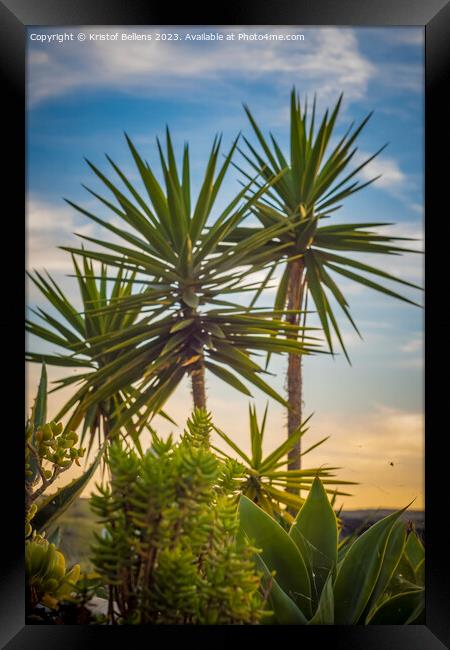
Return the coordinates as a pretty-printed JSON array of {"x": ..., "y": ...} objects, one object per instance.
[
  {"x": 169, "y": 550},
  {"x": 378, "y": 579},
  {"x": 48, "y": 581}
]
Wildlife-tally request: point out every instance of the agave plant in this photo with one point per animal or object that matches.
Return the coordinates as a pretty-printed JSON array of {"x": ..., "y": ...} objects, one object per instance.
[
  {"x": 168, "y": 245},
  {"x": 309, "y": 585},
  {"x": 317, "y": 179},
  {"x": 264, "y": 478},
  {"x": 72, "y": 331}
]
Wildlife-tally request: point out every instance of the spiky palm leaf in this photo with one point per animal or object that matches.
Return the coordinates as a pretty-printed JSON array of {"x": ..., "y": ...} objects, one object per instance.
[
  {"x": 178, "y": 258},
  {"x": 317, "y": 179},
  {"x": 266, "y": 481},
  {"x": 71, "y": 331}
]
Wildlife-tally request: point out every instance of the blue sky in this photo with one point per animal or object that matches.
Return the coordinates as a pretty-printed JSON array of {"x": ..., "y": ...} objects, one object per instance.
[{"x": 82, "y": 96}]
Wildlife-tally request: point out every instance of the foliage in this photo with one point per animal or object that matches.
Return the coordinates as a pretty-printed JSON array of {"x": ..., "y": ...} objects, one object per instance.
[
  {"x": 48, "y": 581},
  {"x": 265, "y": 481},
  {"x": 315, "y": 182},
  {"x": 188, "y": 281},
  {"x": 52, "y": 506},
  {"x": 168, "y": 550},
  {"x": 189, "y": 537},
  {"x": 50, "y": 449},
  {"x": 309, "y": 584},
  {"x": 72, "y": 331}
]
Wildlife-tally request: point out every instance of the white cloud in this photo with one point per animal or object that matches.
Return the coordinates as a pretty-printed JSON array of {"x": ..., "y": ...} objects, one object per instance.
[
  {"x": 418, "y": 208},
  {"x": 413, "y": 229},
  {"x": 407, "y": 77},
  {"x": 413, "y": 344},
  {"x": 50, "y": 226},
  {"x": 392, "y": 177},
  {"x": 413, "y": 36},
  {"x": 328, "y": 59}
]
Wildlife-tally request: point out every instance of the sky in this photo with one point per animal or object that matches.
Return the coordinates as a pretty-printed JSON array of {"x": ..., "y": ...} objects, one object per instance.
[{"x": 83, "y": 94}]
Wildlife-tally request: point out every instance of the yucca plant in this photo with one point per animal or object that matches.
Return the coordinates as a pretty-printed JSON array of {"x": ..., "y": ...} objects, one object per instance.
[
  {"x": 71, "y": 331},
  {"x": 317, "y": 178},
  {"x": 309, "y": 585},
  {"x": 265, "y": 479},
  {"x": 167, "y": 244}
]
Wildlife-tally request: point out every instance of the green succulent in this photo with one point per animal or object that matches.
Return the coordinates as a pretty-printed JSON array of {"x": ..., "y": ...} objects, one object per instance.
[
  {"x": 378, "y": 579},
  {"x": 50, "y": 450},
  {"x": 48, "y": 581},
  {"x": 168, "y": 551}
]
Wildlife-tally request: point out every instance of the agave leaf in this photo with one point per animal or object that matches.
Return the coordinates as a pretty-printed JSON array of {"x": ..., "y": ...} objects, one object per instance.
[
  {"x": 392, "y": 555},
  {"x": 324, "y": 614},
  {"x": 414, "y": 550},
  {"x": 404, "y": 578},
  {"x": 279, "y": 553},
  {"x": 360, "y": 569},
  {"x": 401, "y": 609},
  {"x": 284, "y": 610},
  {"x": 420, "y": 573},
  {"x": 315, "y": 533}
]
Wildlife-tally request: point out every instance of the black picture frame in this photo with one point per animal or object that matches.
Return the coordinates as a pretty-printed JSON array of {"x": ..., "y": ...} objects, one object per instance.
[{"x": 433, "y": 16}]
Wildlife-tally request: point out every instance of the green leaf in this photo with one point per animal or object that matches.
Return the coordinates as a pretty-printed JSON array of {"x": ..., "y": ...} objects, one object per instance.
[
  {"x": 285, "y": 611},
  {"x": 315, "y": 533},
  {"x": 228, "y": 378},
  {"x": 324, "y": 614},
  {"x": 190, "y": 297},
  {"x": 181, "y": 324},
  {"x": 37, "y": 420},
  {"x": 233, "y": 446},
  {"x": 360, "y": 569},
  {"x": 39, "y": 414},
  {"x": 55, "y": 537},
  {"x": 392, "y": 555},
  {"x": 404, "y": 578},
  {"x": 420, "y": 573},
  {"x": 284, "y": 448},
  {"x": 400, "y": 609},
  {"x": 279, "y": 553},
  {"x": 372, "y": 285},
  {"x": 414, "y": 550},
  {"x": 54, "y": 505}
]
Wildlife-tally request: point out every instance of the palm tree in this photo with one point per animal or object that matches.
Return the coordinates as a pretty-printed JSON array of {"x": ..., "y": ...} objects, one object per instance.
[
  {"x": 264, "y": 479},
  {"x": 70, "y": 331},
  {"x": 315, "y": 183},
  {"x": 188, "y": 279}
]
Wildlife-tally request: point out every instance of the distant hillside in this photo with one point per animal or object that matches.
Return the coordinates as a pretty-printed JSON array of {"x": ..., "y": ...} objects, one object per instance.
[{"x": 362, "y": 519}]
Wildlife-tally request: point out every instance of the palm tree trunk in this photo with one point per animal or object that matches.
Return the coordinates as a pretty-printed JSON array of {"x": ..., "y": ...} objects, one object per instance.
[
  {"x": 294, "y": 372},
  {"x": 198, "y": 385}
]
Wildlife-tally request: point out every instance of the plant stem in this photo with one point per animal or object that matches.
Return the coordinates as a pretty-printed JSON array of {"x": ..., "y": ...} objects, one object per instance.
[
  {"x": 198, "y": 384},
  {"x": 294, "y": 372}
]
